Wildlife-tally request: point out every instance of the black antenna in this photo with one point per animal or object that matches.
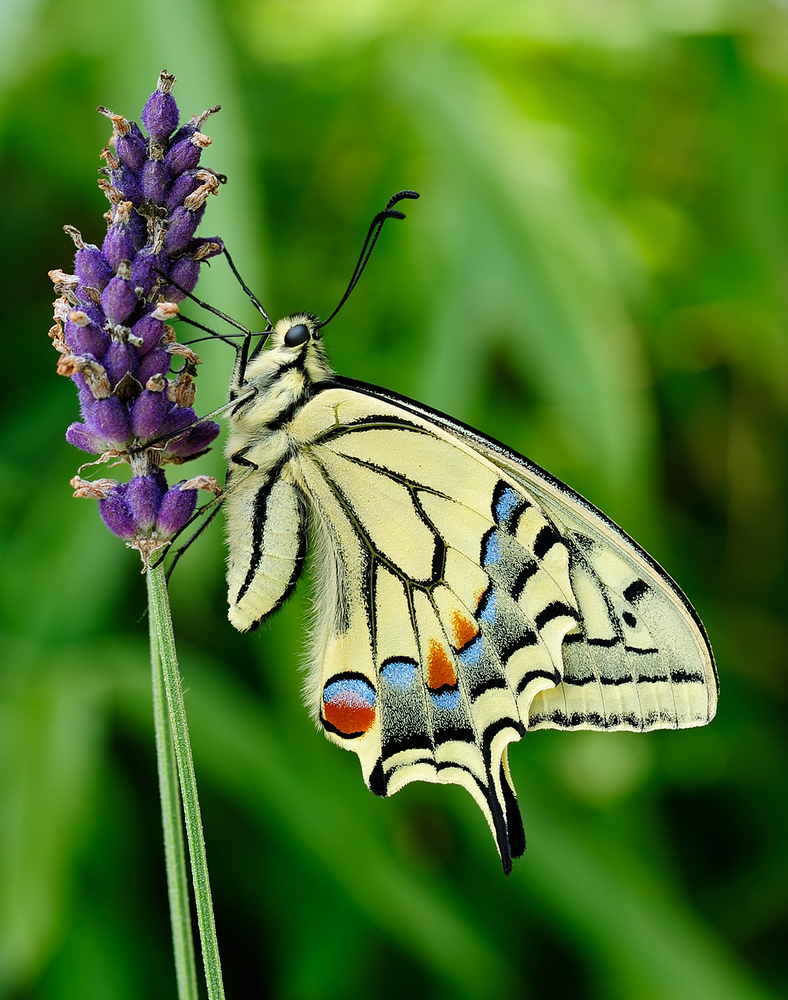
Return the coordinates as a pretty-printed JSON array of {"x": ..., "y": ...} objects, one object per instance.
[
  {"x": 369, "y": 244},
  {"x": 204, "y": 305},
  {"x": 248, "y": 291},
  {"x": 213, "y": 334}
]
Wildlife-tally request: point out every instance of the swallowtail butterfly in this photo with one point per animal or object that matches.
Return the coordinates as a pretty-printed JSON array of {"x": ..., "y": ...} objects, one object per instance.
[{"x": 464, "y": 595}]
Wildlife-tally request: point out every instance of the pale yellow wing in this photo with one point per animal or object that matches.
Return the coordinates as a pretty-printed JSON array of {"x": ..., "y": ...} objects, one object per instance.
[{"x": 463, "y": 596}]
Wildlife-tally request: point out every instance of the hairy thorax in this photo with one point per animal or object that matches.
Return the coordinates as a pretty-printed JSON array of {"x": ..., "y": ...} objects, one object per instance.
[{"x": 276, "y": 385}]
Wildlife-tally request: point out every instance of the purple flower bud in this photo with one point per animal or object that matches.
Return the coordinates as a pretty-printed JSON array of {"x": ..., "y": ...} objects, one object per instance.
[
  {"x": 177, "y": 506},
  {"x": 121, "y": 359},
  {"x": 139, "y": 230},
  {"x": 182, "y": 187},
  {"x": 147, "y": 414},
  {"x": 118, "y": 300},
  {"x": 118, "y": 244},
  {"x": 186, "y": 131},
  {"x": 150, "y": 331},
  {"x": 143, "y": 497},
  {"x": 132, "y": 148},
  {"x": 184, "y": 155},
  {"x": 160, "y": 115},
  {"x": 185, "y": 271},
  {"x": 116, "y": 513},
  {"x": 155, "y": 181},
  {"x": 86, "y": 339},
  {"x": 109, "y": 419},
  {"x": 177, "y": 419},
  {"x": 127, "y": 182},
  {"x": 181, "y": 229},
  {"x": 155, "y": 362},
  {"x": 194, "y": 441},
  {"x": 143, "y": 270},
  {"x": 86, "y": 397},
  {"x": 83, "y": 438},
  {"x": 91, "y": 267},
  {"x": 94, "y": 314}
]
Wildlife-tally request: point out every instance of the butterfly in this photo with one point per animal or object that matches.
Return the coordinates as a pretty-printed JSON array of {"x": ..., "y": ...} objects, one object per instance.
[{"x": 463, "y": 595}]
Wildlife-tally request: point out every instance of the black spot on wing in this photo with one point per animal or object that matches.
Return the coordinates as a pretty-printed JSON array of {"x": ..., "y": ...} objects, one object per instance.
[
  {"x": 686, "y": 677},
  {"x": 476, "y": 688},
  {"x": 450, "y": 734},
  {"x": 507, "y": 506},
  {"x": 635, "y": 591},
  {"x": 556, "y": 609},
  {"x": 545, "y": 539},
  {"x": 514, "y": 640},
  {"x": 524, "y": 575},
  {"x": 412, "y": 741},
  {"x": 530, "y": 675}
]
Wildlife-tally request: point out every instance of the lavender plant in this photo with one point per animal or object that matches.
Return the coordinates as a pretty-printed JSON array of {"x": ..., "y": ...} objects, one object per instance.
[
  {"x": 111, "y": 322},
  {"x": 113, "y": 331}
]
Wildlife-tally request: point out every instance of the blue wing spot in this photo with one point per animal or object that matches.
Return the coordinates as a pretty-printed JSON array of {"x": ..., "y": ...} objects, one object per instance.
[
  {"x": 350, "y": 688},
  {"x": 399, "y": 673},
  {"x": 505, "y": 505},
  {"x": 446, "y": 700},
  {"x": 487, "y": 611},
  {"x": 473, "y": 655},
  {"x": 491, "y": 548}
]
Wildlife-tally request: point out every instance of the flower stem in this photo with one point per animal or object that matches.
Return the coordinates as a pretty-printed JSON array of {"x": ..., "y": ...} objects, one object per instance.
[
  {"x": 172, "y": 823},
  {"x": 176, "y": 736}
]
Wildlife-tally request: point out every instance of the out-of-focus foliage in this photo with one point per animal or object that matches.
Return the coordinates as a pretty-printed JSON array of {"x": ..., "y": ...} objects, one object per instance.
[{"x": 596, "y": 274}]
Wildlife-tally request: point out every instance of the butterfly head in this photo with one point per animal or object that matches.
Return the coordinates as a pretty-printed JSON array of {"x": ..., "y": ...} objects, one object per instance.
[
  {"x": 296, "y": 333},
  {"x": 294, "y": 342}
]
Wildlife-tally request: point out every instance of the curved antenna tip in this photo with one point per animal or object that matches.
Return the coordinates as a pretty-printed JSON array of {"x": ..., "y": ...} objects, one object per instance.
[
  {"x": 402, "y": 194},
  {"x": 369, "y": 244}
]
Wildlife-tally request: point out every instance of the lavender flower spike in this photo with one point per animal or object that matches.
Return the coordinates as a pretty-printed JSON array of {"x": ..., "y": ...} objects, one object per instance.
[{"x": 112, "y": 322}]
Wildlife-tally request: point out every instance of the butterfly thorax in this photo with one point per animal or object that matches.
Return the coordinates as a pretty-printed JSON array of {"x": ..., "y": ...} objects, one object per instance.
[{"x": 270, "y": 391}]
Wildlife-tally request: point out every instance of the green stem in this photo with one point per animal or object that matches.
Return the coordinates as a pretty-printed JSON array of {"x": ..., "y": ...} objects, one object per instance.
[
  {"x": 172, "y": 823},
  {"x": 163, "y": 642}
]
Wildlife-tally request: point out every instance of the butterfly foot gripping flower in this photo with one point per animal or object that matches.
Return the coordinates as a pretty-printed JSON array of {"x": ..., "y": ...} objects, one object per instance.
[{"x": 112, "y": 322}]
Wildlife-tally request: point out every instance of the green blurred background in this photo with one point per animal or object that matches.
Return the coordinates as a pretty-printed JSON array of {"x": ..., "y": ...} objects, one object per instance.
[{"x": 596, "y": 274}]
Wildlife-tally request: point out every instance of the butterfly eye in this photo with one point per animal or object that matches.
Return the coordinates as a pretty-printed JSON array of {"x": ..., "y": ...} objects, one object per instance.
[{"x": 296, "y": 335}]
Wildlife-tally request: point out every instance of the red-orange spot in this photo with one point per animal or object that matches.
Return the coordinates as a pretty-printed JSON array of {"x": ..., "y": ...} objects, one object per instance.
[
  {"x": 464, "y": 631},
  {"x": 349, "y": 715},
  {"x": 440, "y": 669}
]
